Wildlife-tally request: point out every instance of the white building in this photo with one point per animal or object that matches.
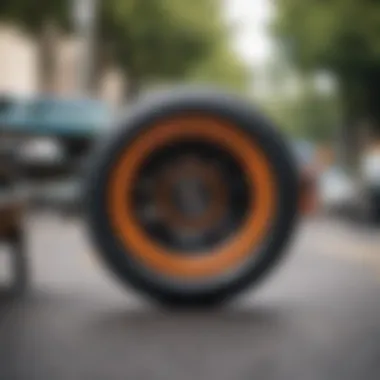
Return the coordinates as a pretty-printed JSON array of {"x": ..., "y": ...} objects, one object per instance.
[{"x": 19, "y": 67}]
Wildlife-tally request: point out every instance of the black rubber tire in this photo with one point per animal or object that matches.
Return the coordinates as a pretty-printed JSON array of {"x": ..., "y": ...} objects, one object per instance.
[{"x": 142, "y": 116}]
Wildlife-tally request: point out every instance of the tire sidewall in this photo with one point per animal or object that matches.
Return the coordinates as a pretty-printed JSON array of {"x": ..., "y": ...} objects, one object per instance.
[{"x": 142, "y": 116}]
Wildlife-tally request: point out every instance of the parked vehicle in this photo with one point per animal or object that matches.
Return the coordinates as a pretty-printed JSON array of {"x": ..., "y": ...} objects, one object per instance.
[
  {"x": 191, "y": 200},
  {"x": 337, "y": 191},
  {"x": 355, "y": 196},
  {"x": 51, "y": 134}
]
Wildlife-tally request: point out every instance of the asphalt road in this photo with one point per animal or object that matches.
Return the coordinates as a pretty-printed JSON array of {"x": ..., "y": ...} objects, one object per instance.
[{"x": 317, "y": 317}]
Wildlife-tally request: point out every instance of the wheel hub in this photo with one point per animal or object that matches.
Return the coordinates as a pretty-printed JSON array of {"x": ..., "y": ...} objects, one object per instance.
[
  {"x": 190, "y": 195},
  {"x": 191, "y": 198},
  {"x": 151, "y": 224},
  {"x": 198, "y": 194}
]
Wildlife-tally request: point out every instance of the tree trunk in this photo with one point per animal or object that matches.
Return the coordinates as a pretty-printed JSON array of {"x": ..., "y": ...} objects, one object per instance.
[
  {"x": 47, "y": 55},
  {"x": 373, "y": 84},
  {"x": 354, "y": 116},
  {"x": 102, "y": 62},
  {"x": 132, "y": 89}
]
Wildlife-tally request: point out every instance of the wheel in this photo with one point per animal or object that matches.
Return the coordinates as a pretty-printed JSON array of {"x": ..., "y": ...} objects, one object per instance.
[{"x": 193, "y": 198}]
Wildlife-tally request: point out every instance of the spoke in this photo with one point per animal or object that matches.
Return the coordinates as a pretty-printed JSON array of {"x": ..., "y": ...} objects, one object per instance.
[
  {"x": 144, "y": 186},
  {"x": 148, "y": 214},
  {"x": 202, "y": 164},
  {"x": 191, "y": 241}
]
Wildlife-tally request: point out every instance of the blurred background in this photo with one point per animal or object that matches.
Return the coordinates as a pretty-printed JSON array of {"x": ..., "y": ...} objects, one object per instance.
[
  {"x": 316, "y": 78},
  {"x": 69, "y": 67}
]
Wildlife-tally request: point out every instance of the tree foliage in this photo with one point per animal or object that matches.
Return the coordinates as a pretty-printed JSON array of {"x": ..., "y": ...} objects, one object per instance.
[
  {"x": 223, "y": 68},
  {"x": 168, "y": 40},
  {"x": 33, "y": 15},
  {"x": 311, "y": 114},
  {"x": 151, "y": 40},
  {"x": 342, "y": 36}
]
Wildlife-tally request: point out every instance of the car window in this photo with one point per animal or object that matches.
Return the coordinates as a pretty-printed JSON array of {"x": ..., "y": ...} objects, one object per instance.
[{"x": 69, "y": 111}]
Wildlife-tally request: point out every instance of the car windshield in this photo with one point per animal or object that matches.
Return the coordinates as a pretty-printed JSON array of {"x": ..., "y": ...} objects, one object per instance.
[{"x": 67, "y": 110}]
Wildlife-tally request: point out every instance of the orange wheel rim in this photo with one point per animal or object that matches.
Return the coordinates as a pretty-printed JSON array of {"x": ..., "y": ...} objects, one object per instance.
[{"x": 223, "y": 257}]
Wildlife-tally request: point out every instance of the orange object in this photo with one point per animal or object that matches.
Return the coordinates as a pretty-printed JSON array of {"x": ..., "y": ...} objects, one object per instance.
[{"x": 230, "y": 254}]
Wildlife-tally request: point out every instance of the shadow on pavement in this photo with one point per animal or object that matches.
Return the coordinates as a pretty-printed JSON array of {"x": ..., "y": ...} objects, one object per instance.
[
  {"x": 14, "y": 290},
  {"x": 186, "y": 326}
]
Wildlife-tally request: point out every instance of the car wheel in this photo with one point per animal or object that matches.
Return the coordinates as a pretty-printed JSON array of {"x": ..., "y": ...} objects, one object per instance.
[{"x": 193, "y": 198}]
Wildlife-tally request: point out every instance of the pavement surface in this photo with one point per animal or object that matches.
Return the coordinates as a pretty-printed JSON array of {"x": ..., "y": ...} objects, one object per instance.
[{"x": 317, "y": 317}]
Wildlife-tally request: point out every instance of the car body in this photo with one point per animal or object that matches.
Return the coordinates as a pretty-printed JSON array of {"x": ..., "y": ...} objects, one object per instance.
[
  {"x": 64, "y": 118},
  {"x": 337, "y": 190},
  {"x": 51, "y": 134},
  {"x": 204, "y": 149},
  {"x": 353, "y": 194}
]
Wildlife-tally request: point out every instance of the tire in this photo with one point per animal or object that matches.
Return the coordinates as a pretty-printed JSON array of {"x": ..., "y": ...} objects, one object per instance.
[{"x": 251, "y": 252}]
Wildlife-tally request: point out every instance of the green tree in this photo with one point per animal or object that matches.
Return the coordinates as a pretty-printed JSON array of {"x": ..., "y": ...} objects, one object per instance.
[
  {"x": 309, "y": 116},
  {"x": 155, "y": 40},
  {"x": 152, "y": 40},
  {"x": 223, "y": 68},
  {"x": 166, "y": 40},
  {"x": 342, "y": 36}
]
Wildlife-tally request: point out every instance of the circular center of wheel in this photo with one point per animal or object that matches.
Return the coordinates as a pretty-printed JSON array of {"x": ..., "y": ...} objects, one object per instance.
[
  {"x": 191, "y": 197},
  {"x": 197, "y": 197}
]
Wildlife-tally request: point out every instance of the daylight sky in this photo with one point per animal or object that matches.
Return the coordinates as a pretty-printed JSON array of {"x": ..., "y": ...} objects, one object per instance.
[
  {"x": 255, "y": 45},
  {"x": 251, "y": 17}
]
